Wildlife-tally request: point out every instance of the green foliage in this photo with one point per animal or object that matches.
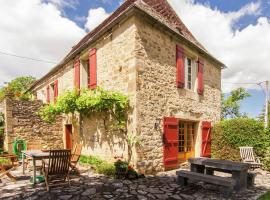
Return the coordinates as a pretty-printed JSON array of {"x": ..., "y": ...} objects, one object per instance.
[
  {"x": 121, "y": 165},
  {"x": 18, "y": 88},
  {"x": 2, "y": 119},
  {"x": 107, "y": 169},
  {"x": 230, "y": 107},
  {"x": 100, "y": 166},
  {"x": 4, "y": 161},
  {"x": 265, "y": 196},
  {"x": 261, "y": 116},
  {"x": 88, "y": 102},
  {"x": 229, "y": 135}
]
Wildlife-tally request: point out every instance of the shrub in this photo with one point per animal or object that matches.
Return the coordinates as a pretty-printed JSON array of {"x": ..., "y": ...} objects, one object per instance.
[
  {"x": 100, "y": 166},
  {"x": 229, "y": 135},
  {"x": 107, "y": 169}
]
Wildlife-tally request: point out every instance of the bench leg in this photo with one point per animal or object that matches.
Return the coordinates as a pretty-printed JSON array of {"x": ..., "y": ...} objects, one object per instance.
[
  {"x": 197, "y": 168},
  {"x": 182, "y": 181},
  {"x": 209, "y": 171}
]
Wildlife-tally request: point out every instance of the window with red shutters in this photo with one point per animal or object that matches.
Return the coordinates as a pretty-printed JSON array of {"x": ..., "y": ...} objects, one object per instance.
[
  {"x": 206, "y": 139},
  {"x": 200, "y": 76},
  {"x": 180, "y": 67},
  {"x": 92, "y": 69},
  {"x": 55, "y": 90},
  {"x": 170, "y": 143},
  {"x": 77, "y": 73},
  {"x": 48, "y": 94}
]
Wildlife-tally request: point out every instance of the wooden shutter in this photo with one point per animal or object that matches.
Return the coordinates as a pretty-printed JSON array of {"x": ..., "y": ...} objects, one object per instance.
[
  {"x": 180, "y": 67},
  {"x": 200, "y": 76},
  {"x": 206, "y": 139},
  {"x": 170, "y": 143},
  {"x": 77, "y": 73},
  {"x": 55, "y": 90},
  {"x": 92, "y": 69},
  {"x": 48, "y": 94}
]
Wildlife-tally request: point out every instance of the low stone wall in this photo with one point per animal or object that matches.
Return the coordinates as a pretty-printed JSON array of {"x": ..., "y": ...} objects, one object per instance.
[{"x": 22, "y": 122}]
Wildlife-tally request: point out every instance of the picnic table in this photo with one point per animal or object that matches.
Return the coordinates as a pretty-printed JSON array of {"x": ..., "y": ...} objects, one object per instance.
[
  {"x": 35, "y": 155},
  {"x": 238, "y": 170}
]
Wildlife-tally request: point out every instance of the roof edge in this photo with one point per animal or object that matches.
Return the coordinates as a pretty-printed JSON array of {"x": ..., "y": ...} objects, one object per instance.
[{"x": 130, "y": 10}]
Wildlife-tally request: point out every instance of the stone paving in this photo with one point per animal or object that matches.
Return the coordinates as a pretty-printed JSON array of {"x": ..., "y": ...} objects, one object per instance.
[{"x": 93, "y": 186}]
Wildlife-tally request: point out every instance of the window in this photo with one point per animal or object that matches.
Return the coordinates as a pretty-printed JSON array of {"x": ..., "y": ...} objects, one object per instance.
[
  {"x": 85, "y": 73},
  {"x": 186, "y": 137},
  {"x": 190, "y": 73}
]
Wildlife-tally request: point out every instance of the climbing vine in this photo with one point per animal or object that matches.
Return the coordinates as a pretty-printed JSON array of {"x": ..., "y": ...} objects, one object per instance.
[{"x": 88, "y": 102}]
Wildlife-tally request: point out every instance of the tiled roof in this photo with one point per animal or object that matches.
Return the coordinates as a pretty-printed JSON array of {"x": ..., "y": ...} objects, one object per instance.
[{"x": 158, "y": 9}]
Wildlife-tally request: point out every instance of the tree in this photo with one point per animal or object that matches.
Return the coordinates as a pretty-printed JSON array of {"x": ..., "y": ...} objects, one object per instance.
[
  {"x": 230, "y": 107},
  {"x": 261, "y": 116},
  {"x": 18, "y": 87}
]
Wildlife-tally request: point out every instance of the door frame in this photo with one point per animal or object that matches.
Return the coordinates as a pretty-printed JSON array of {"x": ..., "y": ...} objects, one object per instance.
[
  {"x": 68, "y": 136},
  {"x": 183, "y": 156}
]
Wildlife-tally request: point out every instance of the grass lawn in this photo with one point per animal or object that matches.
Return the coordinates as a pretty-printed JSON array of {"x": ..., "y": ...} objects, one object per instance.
[{"x": 265, "y": 197}]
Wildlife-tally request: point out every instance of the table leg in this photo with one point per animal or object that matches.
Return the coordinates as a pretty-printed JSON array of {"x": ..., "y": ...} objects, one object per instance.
[
  {"x": 34, "y": 171},
  {"x": 23, "y": 163},
  {"x": 241, "y": 179},
  {"x": 209, "y": 171},
  {"x": 197, "y": 168}
]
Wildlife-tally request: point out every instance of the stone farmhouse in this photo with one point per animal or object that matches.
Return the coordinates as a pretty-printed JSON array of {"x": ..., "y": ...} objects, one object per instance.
[{"x": 144, "y": 50}]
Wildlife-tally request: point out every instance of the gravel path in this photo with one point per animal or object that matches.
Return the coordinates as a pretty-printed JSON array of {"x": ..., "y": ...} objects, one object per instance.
[{"x": 93, "y": 186}]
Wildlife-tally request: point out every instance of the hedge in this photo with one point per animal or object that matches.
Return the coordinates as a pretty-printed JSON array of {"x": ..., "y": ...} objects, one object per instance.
[{"x": 229, "y": 135}]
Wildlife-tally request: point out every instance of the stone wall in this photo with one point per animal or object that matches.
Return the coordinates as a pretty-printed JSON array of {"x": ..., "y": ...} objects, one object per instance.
[
  {"x": 116, "y": 70},
  {"x": 22, "y": 122},
  {"x": 158, "y": 96}
]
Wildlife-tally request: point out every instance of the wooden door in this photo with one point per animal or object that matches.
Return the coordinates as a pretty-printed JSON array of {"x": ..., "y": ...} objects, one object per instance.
[
  {"x": 170, "y": 143},
  {"x": 186, "y": 141},
  {"x": 68, "y": 135},
  {"x": 206, "y": 139}
]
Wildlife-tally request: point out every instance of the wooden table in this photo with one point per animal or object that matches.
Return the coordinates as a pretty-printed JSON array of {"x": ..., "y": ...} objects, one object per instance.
[
  {"x": 35, "y": 155},
  {"x": 238, "y": 170}
]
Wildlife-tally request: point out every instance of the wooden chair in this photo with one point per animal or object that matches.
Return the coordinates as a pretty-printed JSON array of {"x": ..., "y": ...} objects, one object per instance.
[
  {"x": 75, "y": 157},
  {"x": 33, "y": 145},
  {"x": 247, "y": 156},
  {"x": 57, "y": 168},
  {"x": 10, "y": 164}
]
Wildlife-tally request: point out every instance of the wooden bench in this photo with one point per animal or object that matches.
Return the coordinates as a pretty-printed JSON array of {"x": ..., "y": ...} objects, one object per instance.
[{"x": 227, "y": 183}]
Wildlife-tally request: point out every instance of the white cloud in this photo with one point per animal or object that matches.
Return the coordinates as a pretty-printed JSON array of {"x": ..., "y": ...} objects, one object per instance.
[
  {"x": 95, "y": 17},
  {"x": 33, "y": 29},
  {"x": 245, "y": 51},
  {"x": 253, "y": 8},
  {"x": 64, "y": 3}
]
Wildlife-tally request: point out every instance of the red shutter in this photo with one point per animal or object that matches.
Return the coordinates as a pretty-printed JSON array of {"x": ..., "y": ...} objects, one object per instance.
[
  {"x": 200, "y": 76},
  {"x": 92, "y": 69},
  {"x": 77, "y": 74},
  {"x": 206, "y": 139},
  {"x": 48, "y": 94},
  {"x": 55, "y": 90},
  {"x": 170, "y": 143},
  {"x": 180, "y": 67}
]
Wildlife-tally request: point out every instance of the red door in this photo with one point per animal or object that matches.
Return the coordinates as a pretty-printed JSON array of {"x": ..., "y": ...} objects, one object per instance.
[
  {"x": 170, "y": 143},
  {"x": 206, "y": 139},
  {"x": 68, "y": 136}
]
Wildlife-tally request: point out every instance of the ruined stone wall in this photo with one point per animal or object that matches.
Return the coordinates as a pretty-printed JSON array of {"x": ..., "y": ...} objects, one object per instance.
[
  {"x": 22, "y": 122},
  {"x": 158, "y": 96}
]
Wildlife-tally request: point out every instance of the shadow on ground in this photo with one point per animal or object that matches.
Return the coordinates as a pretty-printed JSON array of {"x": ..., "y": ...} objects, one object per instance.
[{"x": 91, "y": 186}]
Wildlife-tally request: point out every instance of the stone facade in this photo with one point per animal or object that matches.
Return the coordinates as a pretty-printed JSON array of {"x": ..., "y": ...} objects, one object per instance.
[
  {"x": 158, "y": 96},
  {"x": 138, "y": 58},
  {"x": 116, "y": 71},
  {"x": 22, "y": 122}
]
